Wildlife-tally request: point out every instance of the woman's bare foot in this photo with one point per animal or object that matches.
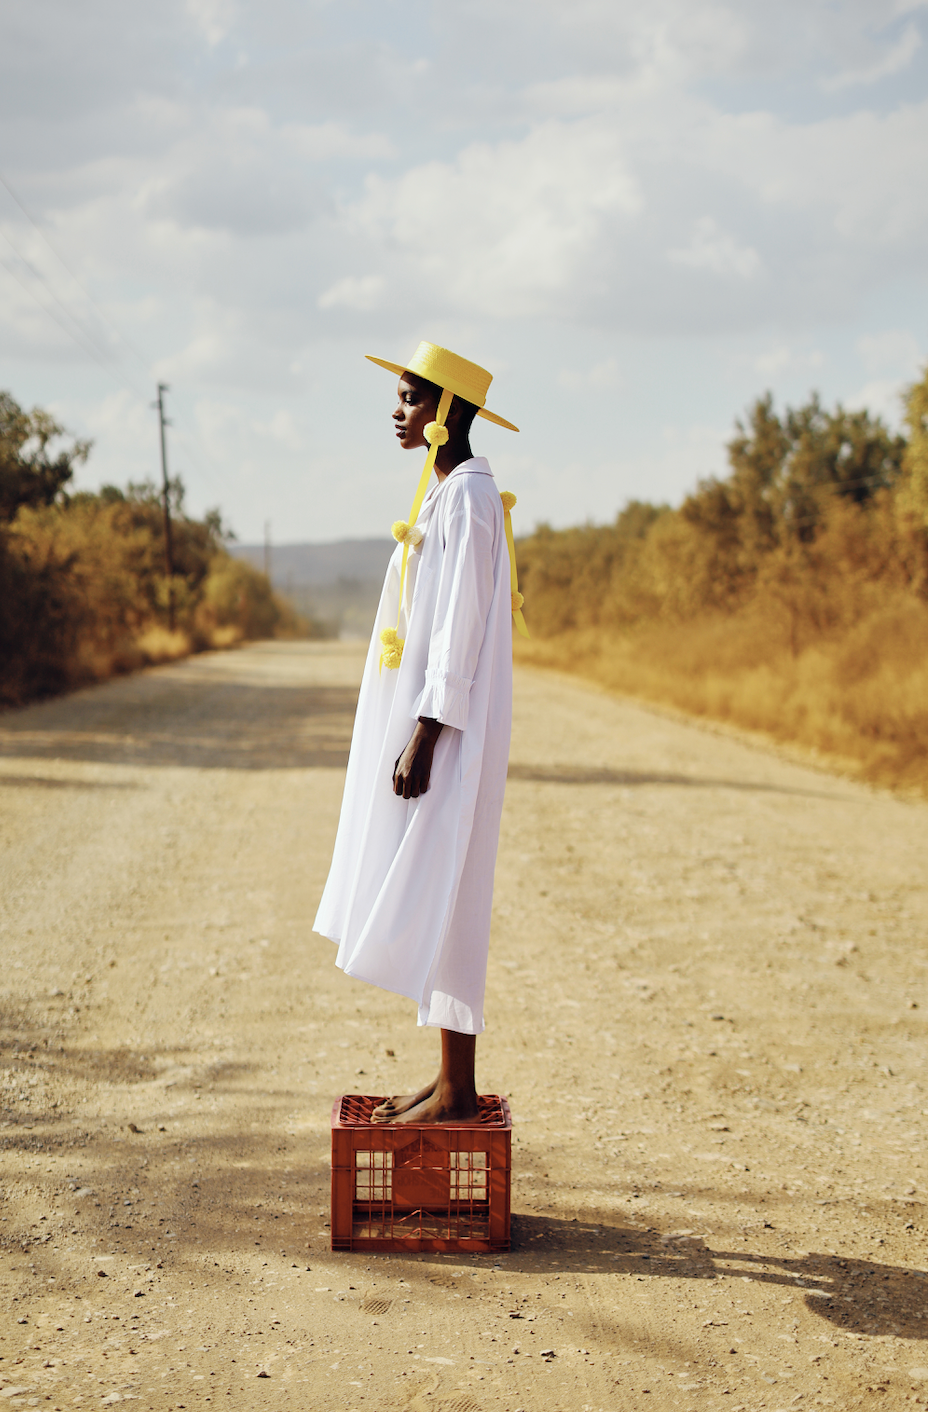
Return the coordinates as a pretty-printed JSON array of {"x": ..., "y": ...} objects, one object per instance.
[
  {"x": 391, "y": 1108},
  {"x": 445, "y": 1105}
]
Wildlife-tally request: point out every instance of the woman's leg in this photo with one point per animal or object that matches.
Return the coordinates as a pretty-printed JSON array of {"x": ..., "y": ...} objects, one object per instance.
[{"x": 452, "y": 1098}]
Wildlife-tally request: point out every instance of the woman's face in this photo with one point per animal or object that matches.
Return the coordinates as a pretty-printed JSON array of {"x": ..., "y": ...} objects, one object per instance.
[{"x": 415, "y": 408}]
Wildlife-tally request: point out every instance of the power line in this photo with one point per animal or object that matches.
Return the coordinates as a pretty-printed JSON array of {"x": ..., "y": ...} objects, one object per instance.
[
  {"x": 194, "y": 448},
  {"x": 85, "y": 338},
  {"x": 100, "y": 353},
  {"x": 77, "y": 332},
  {"x": 199, "y": 451},
  {"x": 64, "y": 264},
  {"x": 85, "y": 348},
  {"x": 37, "y": 274}
]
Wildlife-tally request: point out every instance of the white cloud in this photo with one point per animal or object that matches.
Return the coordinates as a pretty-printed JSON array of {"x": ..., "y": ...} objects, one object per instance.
[
  {"x": 572, "y": 220},
  {"x": 283, "y": 428},
  {"x": 894, "y": 358},
  {"x": 679, "y": 456},
  {"x": 898, "y": 57},
  {"x": 854, "y": 186},
  {"x": 599, "y": 378},
  {"x": 325, "y": 142},
  {"x": 782, "y": 359},
  {"x": 714, "y": 250},
  {"x": 895, "y": 351},
  {"x": 236, "y": 169},
  {"x": 353, "y": 292},
  {"x": 215, "y": 348},
  {"x": 123, "y": 428},
  {"x": 621, "y": 201},
  {"x": 508, "y": 228},
  {"x": 214, "y": 18},
  {"x": 882, "y": 397}
]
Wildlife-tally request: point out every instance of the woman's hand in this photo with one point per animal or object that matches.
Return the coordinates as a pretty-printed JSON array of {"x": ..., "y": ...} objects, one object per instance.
[{"x": 412, "y": 770}]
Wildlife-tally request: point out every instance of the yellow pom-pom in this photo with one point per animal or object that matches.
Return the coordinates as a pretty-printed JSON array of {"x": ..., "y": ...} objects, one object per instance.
[
  {"x": 400, "y": 531},
  {"x": 392, "y": 654},
  {"x": 435, "y": 435},
  {"x": 517, "y": 601},
  {"x": 508, "y": 499},
  {"x": 414, "y": 537}
]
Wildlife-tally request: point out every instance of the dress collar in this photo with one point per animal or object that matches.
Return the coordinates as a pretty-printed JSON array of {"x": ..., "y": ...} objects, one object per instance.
[{"x": 478, "y": 464}]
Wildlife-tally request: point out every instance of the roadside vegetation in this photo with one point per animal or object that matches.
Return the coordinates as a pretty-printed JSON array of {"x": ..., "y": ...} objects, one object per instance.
[
  {"x": 789, "y": 596},
  {"x": 83, "y": 589}
]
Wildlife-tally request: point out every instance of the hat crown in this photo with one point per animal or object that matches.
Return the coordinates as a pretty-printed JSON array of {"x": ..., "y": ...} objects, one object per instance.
[{"x": 451, "y": 371}]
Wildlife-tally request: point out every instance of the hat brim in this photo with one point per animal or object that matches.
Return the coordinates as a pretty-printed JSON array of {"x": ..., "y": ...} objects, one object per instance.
[{"x": 400, "y": 369}]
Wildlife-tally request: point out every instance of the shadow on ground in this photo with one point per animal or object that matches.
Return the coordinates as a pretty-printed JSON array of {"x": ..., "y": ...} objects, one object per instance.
[
  {"x": 162, "y": 1192},
  {"x": 43, "y": 782},
  {"x": 180, "y": 1186},
  {"x": 861, "y": 1296},
  {"x": 167, "y": 719},
  {"x": 574, "y": 774}
]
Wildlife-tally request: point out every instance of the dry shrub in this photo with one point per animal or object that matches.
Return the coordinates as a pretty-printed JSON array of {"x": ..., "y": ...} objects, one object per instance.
[
  {"x": 84, "y": 593},
  {"x": 158, "y": 644},
  {"x": 235, "y": 593},
  {"x": 863, "y": 696},
  {"x": 811, "y": 627}
]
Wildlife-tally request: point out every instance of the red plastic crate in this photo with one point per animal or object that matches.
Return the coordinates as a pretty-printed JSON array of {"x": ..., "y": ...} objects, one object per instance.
[{"x": 401, "y": 1186}]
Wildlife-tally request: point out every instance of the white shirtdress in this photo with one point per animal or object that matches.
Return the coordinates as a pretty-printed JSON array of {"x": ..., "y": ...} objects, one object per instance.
[{"x": 410, "y": 889}]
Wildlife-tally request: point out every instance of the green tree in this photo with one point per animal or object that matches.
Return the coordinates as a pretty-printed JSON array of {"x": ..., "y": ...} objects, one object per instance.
[
  {"x": 787, "y": 473},
  {"x": 31, "y": 473},
  {"x": 849, "y": 454}
]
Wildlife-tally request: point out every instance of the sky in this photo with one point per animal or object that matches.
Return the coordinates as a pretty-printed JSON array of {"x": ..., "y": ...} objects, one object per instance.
[{"x": 638, "y": 217}]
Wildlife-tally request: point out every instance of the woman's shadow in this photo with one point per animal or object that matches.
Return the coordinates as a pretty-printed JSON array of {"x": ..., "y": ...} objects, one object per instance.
[{"x": 859, "y": 1296}]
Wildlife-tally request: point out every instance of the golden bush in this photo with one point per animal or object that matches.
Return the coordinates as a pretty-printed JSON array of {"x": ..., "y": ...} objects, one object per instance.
[
  {"x": 85, "y": 593},
  {"x": 789, "y": 598}
]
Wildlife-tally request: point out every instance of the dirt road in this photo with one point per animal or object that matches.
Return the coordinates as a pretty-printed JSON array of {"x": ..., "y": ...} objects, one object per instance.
[{"x": 707, "y": 1003}]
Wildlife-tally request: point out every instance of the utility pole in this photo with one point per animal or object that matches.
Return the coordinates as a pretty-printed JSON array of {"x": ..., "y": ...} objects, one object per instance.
[
  {"x": 267, "y": 549},
  {"x": 166, "y": 503}
]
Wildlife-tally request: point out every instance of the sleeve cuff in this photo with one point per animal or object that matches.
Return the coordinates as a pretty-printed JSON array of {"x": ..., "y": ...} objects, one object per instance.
[{"x": 444, "y": 698}]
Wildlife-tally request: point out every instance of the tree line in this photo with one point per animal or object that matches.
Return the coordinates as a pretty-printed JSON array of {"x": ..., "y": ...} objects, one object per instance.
[
  {"x": 790, "y": 594},
  {"x": 83, "y": 587}
]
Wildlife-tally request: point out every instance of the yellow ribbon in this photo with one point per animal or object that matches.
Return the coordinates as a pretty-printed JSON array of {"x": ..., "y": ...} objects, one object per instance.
[
  {"x": 509, "y": 500},
  {"x": 393, "y": 644}
]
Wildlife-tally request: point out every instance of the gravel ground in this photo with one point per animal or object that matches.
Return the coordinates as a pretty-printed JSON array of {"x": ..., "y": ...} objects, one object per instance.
[{"x": 707, "y": 1005}]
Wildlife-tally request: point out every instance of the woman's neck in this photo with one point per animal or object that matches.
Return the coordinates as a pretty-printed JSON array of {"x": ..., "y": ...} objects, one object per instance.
[{"x": 452, "y": 454}]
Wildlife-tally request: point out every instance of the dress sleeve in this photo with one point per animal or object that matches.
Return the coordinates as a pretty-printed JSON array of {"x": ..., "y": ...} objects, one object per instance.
[{"x": 462, "y": 606}]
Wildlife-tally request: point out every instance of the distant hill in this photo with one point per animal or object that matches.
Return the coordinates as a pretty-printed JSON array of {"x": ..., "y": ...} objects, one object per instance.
[{"x": 337, "y": 583}]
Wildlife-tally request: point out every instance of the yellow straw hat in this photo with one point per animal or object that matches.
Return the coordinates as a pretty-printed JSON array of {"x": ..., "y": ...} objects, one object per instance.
[
  {"x": 449, "y": 371},
  {"x": 456, "y": 377}
]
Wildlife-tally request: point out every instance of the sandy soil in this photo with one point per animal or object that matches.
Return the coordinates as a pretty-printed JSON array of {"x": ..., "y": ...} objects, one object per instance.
[{"x": 706, "y": 1002}]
